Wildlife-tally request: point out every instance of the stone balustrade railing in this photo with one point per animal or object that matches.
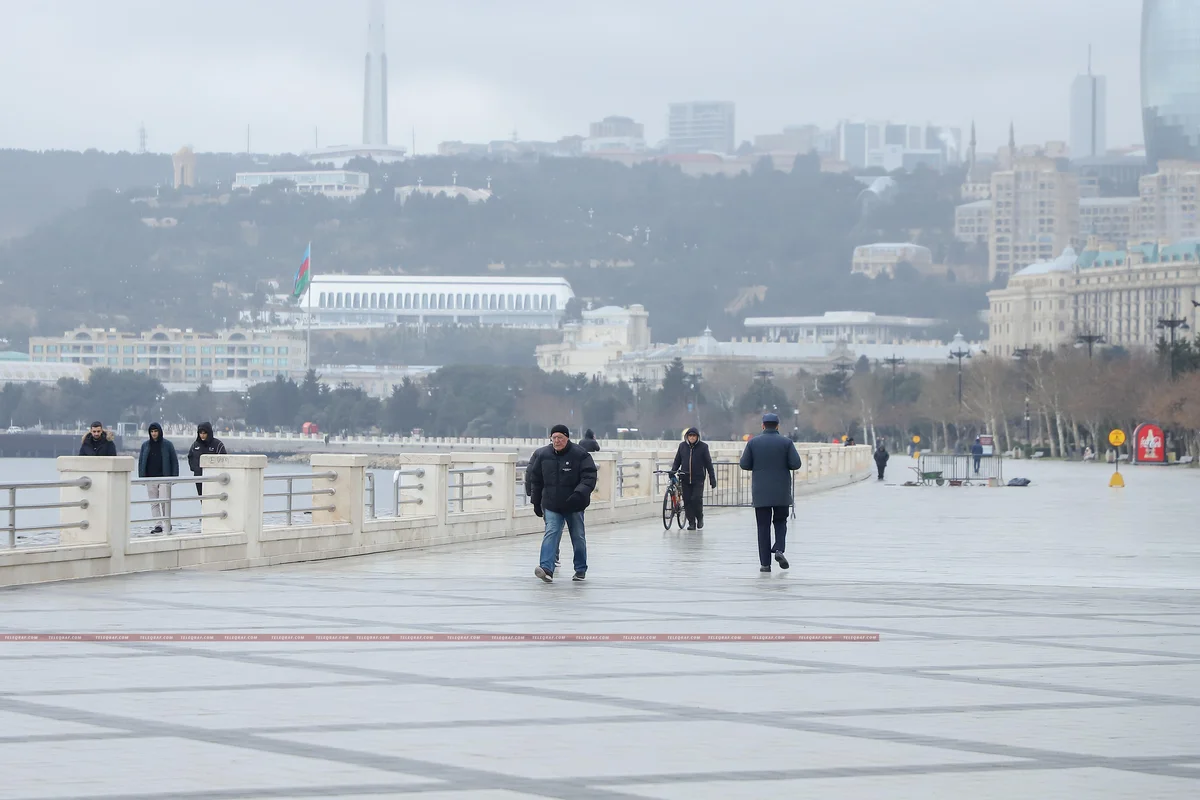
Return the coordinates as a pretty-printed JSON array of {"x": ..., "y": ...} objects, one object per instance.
[{"x": 446, "y": 497}]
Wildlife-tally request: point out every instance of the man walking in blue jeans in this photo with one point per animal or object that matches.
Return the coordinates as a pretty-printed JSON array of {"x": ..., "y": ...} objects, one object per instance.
[
  {"x": 561, "y": 478},
  {"x": 771, "y": 458}
]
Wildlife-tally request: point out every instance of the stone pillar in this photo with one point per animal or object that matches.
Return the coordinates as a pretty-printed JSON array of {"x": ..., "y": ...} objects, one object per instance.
[
  {"x": 107, "y": 497},
  {"x": 240, "y": 501},
  {"x": 606, "y": 479},
  {"x": 349, "y": 489}
]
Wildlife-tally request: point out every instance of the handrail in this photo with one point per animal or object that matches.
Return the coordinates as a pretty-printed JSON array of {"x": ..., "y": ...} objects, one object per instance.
[
  {"x": 13, "y": 506},
  {"x": 79, "y": 483},
  {"x": 291, "y": 493},
  {"x": 221, "y": 478}
]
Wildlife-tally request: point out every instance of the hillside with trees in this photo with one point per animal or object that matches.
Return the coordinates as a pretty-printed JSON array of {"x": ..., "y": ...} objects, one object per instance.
[{"x": 694, "y": 251}]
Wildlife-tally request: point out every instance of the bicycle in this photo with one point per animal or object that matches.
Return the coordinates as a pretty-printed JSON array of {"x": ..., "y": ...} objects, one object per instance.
[{"x": 672, "y": 499}]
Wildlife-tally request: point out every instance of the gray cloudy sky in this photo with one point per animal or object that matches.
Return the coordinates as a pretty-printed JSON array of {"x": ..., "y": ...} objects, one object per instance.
[{"x": 80, "y": 74}]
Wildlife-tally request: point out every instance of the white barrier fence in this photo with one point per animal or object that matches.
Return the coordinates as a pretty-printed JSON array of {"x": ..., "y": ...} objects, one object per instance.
[{"x": 438, "y": 498}]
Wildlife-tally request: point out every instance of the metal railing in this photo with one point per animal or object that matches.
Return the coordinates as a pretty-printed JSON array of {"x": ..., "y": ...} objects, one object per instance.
[
  {"x": 626, "y": 472},
  {"x": 165, "y": 504},
  {"x": 11, "y": 489},
  {"x": 398, "y": 488},
  {"x": 522, "y": 491},
  {"x": 459, "y": 484},
  {"x": 290, "y": 510}
]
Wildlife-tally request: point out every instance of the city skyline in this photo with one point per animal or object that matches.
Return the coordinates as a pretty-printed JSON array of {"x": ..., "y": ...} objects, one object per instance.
[{"x": 471, "y": 71}]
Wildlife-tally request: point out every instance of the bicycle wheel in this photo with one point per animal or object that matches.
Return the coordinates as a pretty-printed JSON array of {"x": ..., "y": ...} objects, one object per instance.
[
  {"x": 668, "y": 509},
  {"x": 678, "y": 510}
]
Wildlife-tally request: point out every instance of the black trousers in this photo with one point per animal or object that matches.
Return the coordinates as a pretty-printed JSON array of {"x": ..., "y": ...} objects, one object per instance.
[
  {"x": 881, "y": 468},
  {"x": 768, "y": 515},
  {"x": 693, "y": 501}
]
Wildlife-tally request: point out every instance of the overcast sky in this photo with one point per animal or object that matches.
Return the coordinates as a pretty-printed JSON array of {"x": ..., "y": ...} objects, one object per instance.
[{"x": 77, "y": 74}]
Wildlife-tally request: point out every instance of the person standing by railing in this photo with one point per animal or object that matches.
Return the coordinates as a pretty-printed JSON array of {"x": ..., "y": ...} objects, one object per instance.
[
  {"x": 562, "y": 477},
  {"x": 97, "y": 442},
  {"x": 205, "y": 445},
  {"x": 158, "y": 459},
  {"x": 694, "y": 460}
]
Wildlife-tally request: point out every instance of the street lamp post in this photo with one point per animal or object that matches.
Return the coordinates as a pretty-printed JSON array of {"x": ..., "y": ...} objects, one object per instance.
[
  {"x": 1091, "y": 340},
  {"x": 1028, "y": 435},
  {"x": 959, "y": 350},
  {"x": 1172, "y": 324},
  {"x": 894, "y": 362}
]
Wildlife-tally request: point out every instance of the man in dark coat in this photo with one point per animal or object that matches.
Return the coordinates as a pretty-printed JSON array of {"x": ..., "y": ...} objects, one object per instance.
[
  {"x": 97, "y": 442},
  {"x": 771, "y": 458},
  {"x": 588, "y": 442},
  {"x": 976, "y": 453},
  {"x": 561, "y": 478},
  {"x": 205, "y": 445},
  {"x": 881, "y": 458},
  {"x": 158, "y": 459},
  {"x": 693, "y": 458}
]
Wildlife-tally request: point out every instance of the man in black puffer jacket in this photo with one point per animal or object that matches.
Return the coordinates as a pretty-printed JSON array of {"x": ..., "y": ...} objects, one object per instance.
[
  {"x": 561, "y": 478},
  {"x": 693, "y": 458}
]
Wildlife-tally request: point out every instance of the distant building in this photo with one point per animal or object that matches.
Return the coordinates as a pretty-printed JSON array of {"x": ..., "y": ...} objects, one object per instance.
[
  {"x": 18, "y": 368},
  {"x": 701, "y": 127},
  {"x": 616, "y": 128},
  {"x": 338, "y": 156},
  {"x": 472, "y": 196},
  {"x": 1035, "y": 215},
  {"x": 181, "y": 357},
  {"x": 342, "y": 184},
  {"x": 1089, "y": 122},
  {"x": 376, "y": 380},
  {"x": 1167, "y": 209},
  {"x": 1120, "y": 294},
  {"x": 973, "y": 221},
  {"x": 856, "y": 327},
  {"x": 463, "y": 149},
  {"x": 882, "y": 258},
  {"x": 604, "y": 334},
  {"x": 892, "y": 146},
  {"x": 798, "y": 139},
  {"x": 364, "y": 301},
  {"x": 1171, "y": 80},
  {"x": 184, "y": 162},
  {"x": 1111, "y": 219}
]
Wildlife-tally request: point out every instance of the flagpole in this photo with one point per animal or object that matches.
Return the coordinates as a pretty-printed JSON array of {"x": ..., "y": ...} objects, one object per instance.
[{"x": 308, "y": 316}]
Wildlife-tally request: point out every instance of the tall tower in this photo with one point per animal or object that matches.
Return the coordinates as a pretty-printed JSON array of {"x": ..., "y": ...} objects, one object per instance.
[
  {"x": 375, "y": 111},
  {"x": 1171, "y": 80},
  {"x": 1088, "y": 110}
]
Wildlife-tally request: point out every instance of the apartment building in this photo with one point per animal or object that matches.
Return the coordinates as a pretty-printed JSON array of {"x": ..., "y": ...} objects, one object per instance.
[{"x": 1035, "y": 215}]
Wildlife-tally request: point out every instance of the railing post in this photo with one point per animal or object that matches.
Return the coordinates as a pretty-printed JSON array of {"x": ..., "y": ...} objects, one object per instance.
[
  {"x": 349, "y": 488},
  {"x": 107, "y": 512},
  {"x": 241, "y": 499},
  {"x": 433, "y": 486}
]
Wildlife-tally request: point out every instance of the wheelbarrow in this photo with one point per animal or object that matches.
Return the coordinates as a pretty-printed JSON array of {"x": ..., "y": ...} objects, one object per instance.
[{"x": 927, "y": 478}]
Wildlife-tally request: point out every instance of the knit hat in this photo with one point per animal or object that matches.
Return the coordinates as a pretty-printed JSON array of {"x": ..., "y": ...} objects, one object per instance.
[{"x": 560, "y": 428}]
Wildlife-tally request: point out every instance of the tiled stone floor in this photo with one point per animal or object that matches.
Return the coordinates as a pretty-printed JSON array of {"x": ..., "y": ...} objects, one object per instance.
[{"x": 1038, "y": 642}]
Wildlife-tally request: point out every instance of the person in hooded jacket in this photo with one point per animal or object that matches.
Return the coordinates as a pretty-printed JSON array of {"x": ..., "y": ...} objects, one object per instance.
[
  {"x": 694, "y": 460},
  {"x": 158, "y": 459},
  {"x": 205, "y": 445},
  {"x": 97, "y": 442},
  {"x": 881, "y": 458},
  {"x": 588, "y": 442},
  {"x": 561, "y": 478}
]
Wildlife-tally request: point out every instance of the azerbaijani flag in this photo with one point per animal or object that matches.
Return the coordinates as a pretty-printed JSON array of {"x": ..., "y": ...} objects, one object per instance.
[{"x": 304, "y": 274}]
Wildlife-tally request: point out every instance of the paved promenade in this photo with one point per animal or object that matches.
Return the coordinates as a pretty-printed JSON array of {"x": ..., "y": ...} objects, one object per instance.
[{"x": 1038, "y": 642}]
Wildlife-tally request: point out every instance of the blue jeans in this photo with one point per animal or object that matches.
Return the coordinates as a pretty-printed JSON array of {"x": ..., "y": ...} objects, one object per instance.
[{"x": 550, "y": 541}]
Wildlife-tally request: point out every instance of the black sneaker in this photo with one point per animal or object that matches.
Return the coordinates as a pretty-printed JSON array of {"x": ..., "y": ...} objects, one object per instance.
[
  {"x": 764, "y": 569},
  {"x": 578, "y": 576},
  {"x": 691, "y": 526},
  {"x": 699, "y": 524},
  {"x": 548, "y": 577},
  {"x": 783, "y": 562},
  {"x": 157, "y": 529}
]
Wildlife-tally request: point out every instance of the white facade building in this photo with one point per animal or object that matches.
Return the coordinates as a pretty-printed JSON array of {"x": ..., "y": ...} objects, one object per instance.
[
  {"x": 882, "y": 258},
  {"x": 973, "y": 221},
  {"x": 378, "y": 300},
  {"x": 604, "y": 334},
  {"x": 337, "y": 183},
  {"x": 701, "y": 127},
  {"x": 855, "y": 327}
]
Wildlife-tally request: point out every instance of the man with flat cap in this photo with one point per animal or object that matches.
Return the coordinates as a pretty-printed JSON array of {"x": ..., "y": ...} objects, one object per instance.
[{"x": 771, "y": 458}]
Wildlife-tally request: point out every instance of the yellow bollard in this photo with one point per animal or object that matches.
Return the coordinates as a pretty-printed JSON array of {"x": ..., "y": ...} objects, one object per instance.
[{"x": 1116, "y": 481}]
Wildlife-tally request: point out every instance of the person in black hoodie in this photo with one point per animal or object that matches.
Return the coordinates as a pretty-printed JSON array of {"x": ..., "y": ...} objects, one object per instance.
[
  {"x": 588, "y": 442},
  {"x": 97, "y": 442},
  {"x": 561, "y": 478},
  {"x": 881, "y": 458},
  {"x": 693, "y": 458},
  {"x": 158, "y": 459},
  {"x": 205, "y": 445}
]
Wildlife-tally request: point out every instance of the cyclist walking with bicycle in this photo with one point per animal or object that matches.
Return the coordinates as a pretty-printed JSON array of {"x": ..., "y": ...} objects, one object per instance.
[
  {"x": 692, "y": 463},
  {"x": 771, "y": 458}
]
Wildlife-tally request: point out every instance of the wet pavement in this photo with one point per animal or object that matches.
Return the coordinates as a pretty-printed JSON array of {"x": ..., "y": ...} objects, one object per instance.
[{"x": 1040, "y": 642}]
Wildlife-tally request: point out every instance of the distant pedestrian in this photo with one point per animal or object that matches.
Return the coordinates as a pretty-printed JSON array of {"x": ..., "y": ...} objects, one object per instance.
[
  {"x": 588, "y": 442},
  {"x": 881, "y": 458},
  {"x": 205, "y": 445},
  {"x": 694, "y": 460},
  {"x": 976, "y": 453},
  {"x": 771, "y": 458},
  {"x": 561, "y": 478},
  {"x": 158, "y": 459},
  {"x": 850, "y": 441},
  {"x": 97, "y": 442}
]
